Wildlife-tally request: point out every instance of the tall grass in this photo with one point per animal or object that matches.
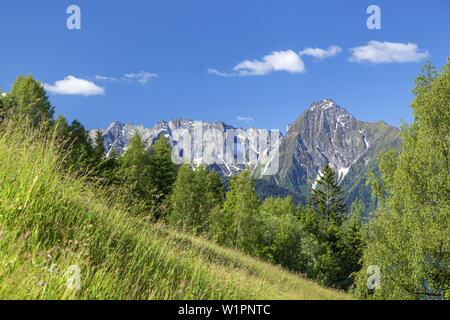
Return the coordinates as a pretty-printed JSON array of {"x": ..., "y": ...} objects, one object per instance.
[{"x": 50, "y": 222}]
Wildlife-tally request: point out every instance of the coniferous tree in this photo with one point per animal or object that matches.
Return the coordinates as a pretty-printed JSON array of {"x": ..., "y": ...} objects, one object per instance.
[
  {"x": 326, "y": 198},
  {"x": 75, "y": 145},
  {"x": 81, "y": 149},
  {"x": 353, "y": 242},
  {"x": 104, "y": 166},
  {"x": 330, "y": 207},
  {"x": 99, "y": 150}
]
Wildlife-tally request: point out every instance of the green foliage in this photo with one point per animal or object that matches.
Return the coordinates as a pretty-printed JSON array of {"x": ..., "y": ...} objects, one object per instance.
[
  {"x": 234, "y": 225},
  {"x": 353, "y": 242},
  {"x": 27, "y": 99},
  {"x": 309, "y": 219},
  {"x": 162, "y": 168},
  {"x": 409, "y": 238},
  {"x": 81, "y": 155},
  {"x": 327, "y": 200},
  {"x": 196, "y": 192},
  {"x": 339, "y": 235},
  {"x": 266, "y": 187},
  {"x": 329, "y": 207},
  {"x": 281, "y": 237},
  {"x": 99, "y": 150},
  {"x": 146, "y": 177},
  {"x": 81, "y": 150},
  {"x": 135, "y": 176},
  {"x": 278, "y": 206},
  {"x": 104, "y": 166}
]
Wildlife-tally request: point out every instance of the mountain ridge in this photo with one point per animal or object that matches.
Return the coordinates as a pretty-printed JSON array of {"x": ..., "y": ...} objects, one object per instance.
[{"x": 325, "y": 133}]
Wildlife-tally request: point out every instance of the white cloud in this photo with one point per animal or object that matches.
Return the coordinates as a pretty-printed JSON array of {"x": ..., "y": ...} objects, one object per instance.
[
  {"x": 276, "y": 61},
  {"x": 240, "y": 118},
  {"x": 141, "y": 77},
  {"x": 321, "y": 53},
  {"x": 97, "y": 77},
  {"x": 222, "y": 74},
  {"x": 387, "y": 52},
  {"x": 74, "y": 86},
  {"x": 3, "y": 94}
]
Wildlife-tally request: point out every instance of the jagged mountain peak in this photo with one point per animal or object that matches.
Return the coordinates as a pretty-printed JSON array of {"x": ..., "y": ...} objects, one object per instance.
[
  {"x": 324, "y": 117},
  {"x": 115, "y": 124},
  {"x": 326, "y": 104},
  {"x": 330, "y": 111}
]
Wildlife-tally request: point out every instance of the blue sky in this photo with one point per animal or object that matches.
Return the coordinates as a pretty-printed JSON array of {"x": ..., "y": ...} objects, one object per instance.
[{"x": 145, "y": 61}]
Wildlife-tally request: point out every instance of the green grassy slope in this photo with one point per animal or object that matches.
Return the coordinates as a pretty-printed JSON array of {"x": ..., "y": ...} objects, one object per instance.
[{"x": 49, "y": 222}]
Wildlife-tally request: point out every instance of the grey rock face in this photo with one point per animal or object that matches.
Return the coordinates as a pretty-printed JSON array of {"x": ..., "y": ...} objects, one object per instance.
[
  {"x": 324, "y": 133},
  {"x": 208, "y": 142}
]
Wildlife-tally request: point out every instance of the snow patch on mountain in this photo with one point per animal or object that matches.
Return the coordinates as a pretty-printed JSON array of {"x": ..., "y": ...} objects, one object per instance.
[{"x": 342, "y": 172}]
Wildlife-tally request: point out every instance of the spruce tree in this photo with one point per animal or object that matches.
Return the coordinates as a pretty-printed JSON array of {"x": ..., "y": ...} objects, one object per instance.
[
  {"x": 329, "y": 207},
  {"x": 326, "y": 198},
  {"x": 353, "y": 242},
  {"x": 99, "y": 150}
]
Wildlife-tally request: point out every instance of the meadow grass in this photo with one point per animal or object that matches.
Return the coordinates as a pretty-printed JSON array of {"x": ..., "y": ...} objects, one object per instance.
[{"x": 51, "y": 221}]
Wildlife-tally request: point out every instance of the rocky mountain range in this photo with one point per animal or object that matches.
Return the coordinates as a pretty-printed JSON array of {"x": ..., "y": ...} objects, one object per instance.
[
  {"x": 224, "y": 148},
  {"x": 285, "y": 165}
]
